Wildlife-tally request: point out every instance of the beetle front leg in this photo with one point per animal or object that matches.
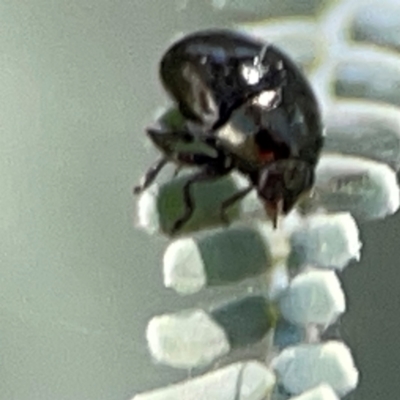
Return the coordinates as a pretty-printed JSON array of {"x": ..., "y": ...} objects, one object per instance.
[
  {"x": 177, "y": 171},
  {"x": 150, "y": 175},
  {"x": 231, "y": 201}
]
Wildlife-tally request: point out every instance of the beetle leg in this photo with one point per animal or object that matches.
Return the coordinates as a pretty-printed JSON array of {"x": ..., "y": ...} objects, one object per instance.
[
  {"x": 178, "y": 169},
  {"x": 231, "y": 201},
  {"x": 202, "y": 176},
  {"x": 150, "y": 175},
  {"x": 239, "y": 383}
]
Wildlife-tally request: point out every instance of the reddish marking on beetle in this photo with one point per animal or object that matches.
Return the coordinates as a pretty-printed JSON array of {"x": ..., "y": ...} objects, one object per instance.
[{"x": 266, "y": 155}]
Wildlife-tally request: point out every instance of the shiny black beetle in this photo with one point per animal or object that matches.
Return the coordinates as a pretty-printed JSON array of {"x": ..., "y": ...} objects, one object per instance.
[{"x": 240, "y": 104}]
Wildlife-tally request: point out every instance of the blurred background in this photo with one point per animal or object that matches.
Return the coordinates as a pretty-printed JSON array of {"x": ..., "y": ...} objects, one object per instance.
[{"x": 78, "y": 281}]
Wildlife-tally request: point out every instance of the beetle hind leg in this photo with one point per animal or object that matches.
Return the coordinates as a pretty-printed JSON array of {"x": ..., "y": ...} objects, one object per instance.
[
  {"x": 203, "y": 175},
  {"x": 150, "y": 175}
]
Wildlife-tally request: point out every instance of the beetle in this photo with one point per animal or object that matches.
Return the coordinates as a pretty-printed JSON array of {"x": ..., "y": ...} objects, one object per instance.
[{"x": 239, "y": 104}]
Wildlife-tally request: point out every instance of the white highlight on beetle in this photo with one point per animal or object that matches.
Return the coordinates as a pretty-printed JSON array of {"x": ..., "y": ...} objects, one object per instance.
[
  {"x": 251, "y": 73},
  {"x": 267, "y": 98}
]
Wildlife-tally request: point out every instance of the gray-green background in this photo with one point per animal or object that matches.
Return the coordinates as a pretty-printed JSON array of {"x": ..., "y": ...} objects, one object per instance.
[{"x": 78, "y": 283}]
